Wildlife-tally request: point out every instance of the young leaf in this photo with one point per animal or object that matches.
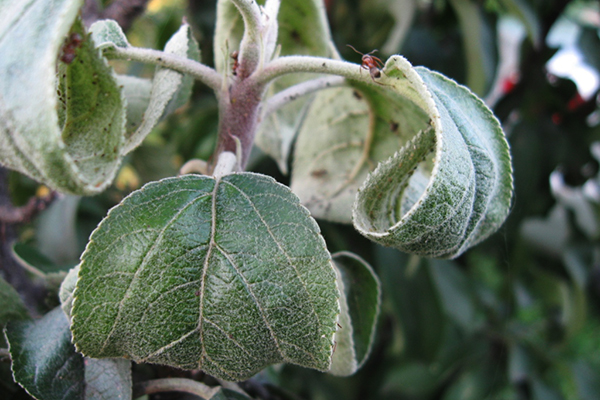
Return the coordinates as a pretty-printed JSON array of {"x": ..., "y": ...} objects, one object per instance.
[
  {"x": 108, "y": 33},
  {"x": 170, "y": 89},
  {"x": 46, "y": 365},
  {"x": 458, "y": 198},
  {"x": 72, "y": 141},
  {"x": 303, "y": 29},
  {"x": 359, "y": 301},
  {"x": 228, "y": 275}
]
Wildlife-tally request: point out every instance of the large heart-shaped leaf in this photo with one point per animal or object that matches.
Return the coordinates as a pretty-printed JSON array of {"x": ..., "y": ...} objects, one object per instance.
[
  {"x": 360, "y": 300},
  {"x": 228, "y": 275},
  {"x": 72, "y": 141}
]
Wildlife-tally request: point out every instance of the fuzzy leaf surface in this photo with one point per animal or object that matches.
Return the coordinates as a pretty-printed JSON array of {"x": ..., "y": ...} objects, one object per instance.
[
  {"x": 70, "y": 142},
  {"x": 438, "y": 206},
  {"x": 46, "y": 366},
  {"x": 345, "y": 133},
  {"x": 359, "y": 303},
  {"x": 228, "y": 275}
]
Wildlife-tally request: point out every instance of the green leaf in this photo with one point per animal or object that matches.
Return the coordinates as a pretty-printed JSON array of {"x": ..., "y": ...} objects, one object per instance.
[
  {"x": 46, "y": 365},
  {"x": 11, "y": 305},
  {"x": 30, "y": 258},
  {"x": 438, "y": 207},
  {"x": 170, "y": 89},
  {"x": 228, "y": 275},
  {"x": 107, "y": 379},
  {"x": 107, "y": 34},
  {"x": 70, "y": 142},
  {"x": 360, "y": 302}
]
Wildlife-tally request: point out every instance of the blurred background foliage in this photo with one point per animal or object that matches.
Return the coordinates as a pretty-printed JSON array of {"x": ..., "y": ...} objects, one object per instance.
[{"x": 518, "y": 316}]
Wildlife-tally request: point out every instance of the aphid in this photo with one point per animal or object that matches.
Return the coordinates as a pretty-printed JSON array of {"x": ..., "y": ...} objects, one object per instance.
[
  {"x": 69, "y": 49},
  {"x": 370, "y": 63},
  {"x": 236, "y": 63}
]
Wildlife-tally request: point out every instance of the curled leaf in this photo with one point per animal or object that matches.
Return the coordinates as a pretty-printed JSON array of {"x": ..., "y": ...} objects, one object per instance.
[
  {"x": 438, "y": 207},
  {"x": 70, "y": 141}
]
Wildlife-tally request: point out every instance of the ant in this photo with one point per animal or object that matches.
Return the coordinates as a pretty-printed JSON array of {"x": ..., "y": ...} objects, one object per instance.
[
  {"x": 69, "y": 49},
  {"x": 236, "y": 63},
  {"x": 370, "y": 63}
]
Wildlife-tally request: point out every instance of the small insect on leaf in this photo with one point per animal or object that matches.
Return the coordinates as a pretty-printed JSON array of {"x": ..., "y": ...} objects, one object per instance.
[{"x": 370, "y": 63}]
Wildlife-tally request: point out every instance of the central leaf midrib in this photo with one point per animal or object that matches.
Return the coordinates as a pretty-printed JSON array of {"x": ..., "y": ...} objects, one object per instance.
[{"x": 211, "y": 244}]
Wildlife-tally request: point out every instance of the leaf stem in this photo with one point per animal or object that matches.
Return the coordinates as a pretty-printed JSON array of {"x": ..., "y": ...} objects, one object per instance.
[
  {"x": 174, "y": 385},
  {"x": 201, "y": 72},
  {"x": 319, "y": 65},
  {"x": 290, "y": 94}
]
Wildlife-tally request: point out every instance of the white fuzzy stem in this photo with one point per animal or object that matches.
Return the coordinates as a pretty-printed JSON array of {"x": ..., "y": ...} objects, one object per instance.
[{"x": 199, "y": 71}]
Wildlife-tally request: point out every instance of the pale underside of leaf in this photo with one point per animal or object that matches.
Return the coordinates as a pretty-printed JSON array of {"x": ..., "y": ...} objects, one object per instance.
[
  {"x": 346, "y": 133},
  {"x": 31, "y": 141},
  {"x": 359, "y": 302},
  {"x": 226, "y": 275}
]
